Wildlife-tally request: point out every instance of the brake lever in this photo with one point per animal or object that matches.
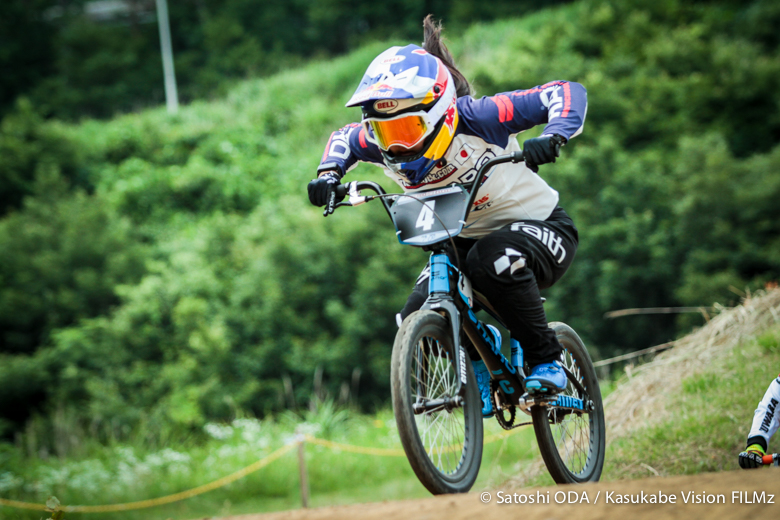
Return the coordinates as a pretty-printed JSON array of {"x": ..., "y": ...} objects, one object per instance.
[
  {"x": 330, "y": 207},
  {"x": 342, "y": 190}
]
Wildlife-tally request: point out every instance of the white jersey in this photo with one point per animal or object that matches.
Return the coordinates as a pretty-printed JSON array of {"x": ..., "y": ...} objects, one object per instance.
[{"x": 511, "y": 192}]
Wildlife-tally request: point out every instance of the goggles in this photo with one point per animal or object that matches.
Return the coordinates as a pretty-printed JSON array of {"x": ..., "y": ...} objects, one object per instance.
[
  {"x": 405, "y": 130},
  {"x": 410, "y": 128}
]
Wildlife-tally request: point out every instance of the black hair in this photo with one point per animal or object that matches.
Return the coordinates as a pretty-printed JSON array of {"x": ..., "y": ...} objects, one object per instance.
[{"x": 433, "y": 44}]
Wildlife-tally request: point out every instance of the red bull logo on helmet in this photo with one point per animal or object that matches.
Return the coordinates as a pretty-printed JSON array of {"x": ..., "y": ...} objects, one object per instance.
[{"x": 449, "y": 119}]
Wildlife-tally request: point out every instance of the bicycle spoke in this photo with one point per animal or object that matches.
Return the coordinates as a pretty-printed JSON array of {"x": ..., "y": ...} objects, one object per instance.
[
  {"x": 572, "y": 432},
  {"x": 441, "y": 431}
]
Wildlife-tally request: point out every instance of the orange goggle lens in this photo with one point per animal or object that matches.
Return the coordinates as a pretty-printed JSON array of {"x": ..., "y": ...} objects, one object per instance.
[{"x": 404, "y": 131}]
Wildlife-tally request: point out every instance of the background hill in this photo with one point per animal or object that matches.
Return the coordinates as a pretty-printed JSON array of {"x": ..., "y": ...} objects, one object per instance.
[{"x": 162, "y": 272}]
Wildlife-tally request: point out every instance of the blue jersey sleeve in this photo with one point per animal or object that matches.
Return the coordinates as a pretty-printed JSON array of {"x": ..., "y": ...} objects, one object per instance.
[
  {"x": 349, "y": 145},
  {"x": 561, "y": 105}
]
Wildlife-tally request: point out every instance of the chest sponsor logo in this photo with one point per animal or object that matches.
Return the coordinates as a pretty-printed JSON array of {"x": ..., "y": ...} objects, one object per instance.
[
  {"x": 482, "y": 203},
  {"x": 546, "y": 236},
  {"x": 471, "y": 174},
  {"x": 435, "y": 177}
]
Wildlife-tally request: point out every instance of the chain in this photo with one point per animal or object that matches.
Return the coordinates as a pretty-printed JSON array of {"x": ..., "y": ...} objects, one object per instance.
[{"x": 507, "y": 424}]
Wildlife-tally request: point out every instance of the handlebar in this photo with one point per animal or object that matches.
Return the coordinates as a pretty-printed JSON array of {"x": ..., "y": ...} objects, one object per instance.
[{"x": 352, "y": 189}]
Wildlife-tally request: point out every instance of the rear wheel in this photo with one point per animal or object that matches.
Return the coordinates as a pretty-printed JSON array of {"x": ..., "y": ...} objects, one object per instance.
[
  {"x": 572, "y": 443},
  {"x": 443, "y": 445}
]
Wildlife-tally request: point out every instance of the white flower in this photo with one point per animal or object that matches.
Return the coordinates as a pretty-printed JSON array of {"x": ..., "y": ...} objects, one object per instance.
[{"x": 218, "y": 431}]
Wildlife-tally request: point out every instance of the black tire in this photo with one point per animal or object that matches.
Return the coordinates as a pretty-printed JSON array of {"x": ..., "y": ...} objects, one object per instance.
[
  {"x": 449, "y": 464},
  {"x": 572, "y": 445}
]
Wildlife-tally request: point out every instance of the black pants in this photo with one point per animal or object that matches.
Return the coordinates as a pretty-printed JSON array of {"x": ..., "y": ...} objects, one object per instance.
[{"x": 509, "y": 266}]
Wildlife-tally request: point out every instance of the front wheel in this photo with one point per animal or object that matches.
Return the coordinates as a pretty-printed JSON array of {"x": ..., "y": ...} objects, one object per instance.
[
  {"x": 572, "y": 442},
  {"x": 443, "y": 445}
]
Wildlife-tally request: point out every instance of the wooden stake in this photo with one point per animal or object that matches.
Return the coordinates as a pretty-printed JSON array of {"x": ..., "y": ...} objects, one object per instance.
[{"x": 302, "y": 471}]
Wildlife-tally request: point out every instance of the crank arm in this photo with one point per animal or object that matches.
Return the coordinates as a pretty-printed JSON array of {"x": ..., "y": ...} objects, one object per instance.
[{"x": 433, "y": 405}]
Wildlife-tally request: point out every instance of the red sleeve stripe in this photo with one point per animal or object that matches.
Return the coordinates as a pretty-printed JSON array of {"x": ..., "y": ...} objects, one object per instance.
[
  {"x": 505, "y": 108},
  {"x": 552, "y": 84},
  {"x": 539, "y": 89},
  {"x": 327, "y": 148},
  {"x": 526, "y": 92},
  {"x": 566, "y": 100},
  {"x": 362, "y": 138}
]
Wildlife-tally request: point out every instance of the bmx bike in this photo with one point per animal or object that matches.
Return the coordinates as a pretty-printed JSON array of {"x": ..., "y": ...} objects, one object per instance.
[{"x": 435, "y": 396}]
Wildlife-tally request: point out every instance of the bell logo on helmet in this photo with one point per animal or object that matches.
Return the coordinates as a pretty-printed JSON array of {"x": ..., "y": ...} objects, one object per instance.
[
  {"x": 393, "y": 59},
  {"x": 386, "y": 105}
]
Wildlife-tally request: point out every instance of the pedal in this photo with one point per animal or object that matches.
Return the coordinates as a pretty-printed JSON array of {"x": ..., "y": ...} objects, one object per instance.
[
  {"x": 528, "y": 400},
  {"x": 535, "y": 388}
]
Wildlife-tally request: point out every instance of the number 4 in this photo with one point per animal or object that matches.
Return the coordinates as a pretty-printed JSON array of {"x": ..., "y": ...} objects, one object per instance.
[{"x": 425, "y": 220}]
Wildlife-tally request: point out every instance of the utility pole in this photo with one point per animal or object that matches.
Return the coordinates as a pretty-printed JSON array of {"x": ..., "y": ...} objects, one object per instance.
[{"x": 171, "y": 95}]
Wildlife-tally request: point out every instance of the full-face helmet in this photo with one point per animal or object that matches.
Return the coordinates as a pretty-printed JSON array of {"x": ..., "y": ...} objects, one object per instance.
[{"x": 409, "y": 104}]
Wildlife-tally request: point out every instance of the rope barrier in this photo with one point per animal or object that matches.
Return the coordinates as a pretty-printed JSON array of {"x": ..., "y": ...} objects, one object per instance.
[
  {"x": 142, "y": 504},
  {"x": 662, "y": 346},
  {"x": 388, "y": 452},
  {"x": 661, "y": 310},
  {"x": 382, "y": 452},
  {"x": 224, "y": 481}
]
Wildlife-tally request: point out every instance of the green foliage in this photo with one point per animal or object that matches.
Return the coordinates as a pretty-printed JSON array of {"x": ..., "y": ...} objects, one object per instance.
[
  {"x": 161, "y": 272},
  {"x": 770, "y": 341},
  {"x": 74, "y": 61},
  {"x": 677, "y": 153},
  {"x": 131, "y": 470},
  {"x": 28, "y": 148}
]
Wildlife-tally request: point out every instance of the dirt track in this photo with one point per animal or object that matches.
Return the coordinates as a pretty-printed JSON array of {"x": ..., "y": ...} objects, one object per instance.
[{"x": 469, "y": 507}]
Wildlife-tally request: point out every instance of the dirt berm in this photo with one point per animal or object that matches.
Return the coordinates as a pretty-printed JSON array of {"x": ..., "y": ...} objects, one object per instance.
[{"x": 470, "y": 506}]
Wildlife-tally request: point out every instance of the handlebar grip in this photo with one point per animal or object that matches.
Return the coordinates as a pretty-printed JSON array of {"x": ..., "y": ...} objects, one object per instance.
[
  {"x": 341, "y": 191},
  {"x": 768, "y": 459},
  {"x": 517, "y": 157}
]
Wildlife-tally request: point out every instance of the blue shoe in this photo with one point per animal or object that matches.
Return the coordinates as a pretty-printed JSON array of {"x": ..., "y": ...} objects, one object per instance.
[
  {"x": 483, "y": 377},
  {"x": 547, "y": 378}
]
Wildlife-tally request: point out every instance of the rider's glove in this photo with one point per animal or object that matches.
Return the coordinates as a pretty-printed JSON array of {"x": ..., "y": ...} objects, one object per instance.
[
  {"x": 322, "y": 191},
  {"x": 751, "y": 457},
  {"x": 542, "y": 150}
]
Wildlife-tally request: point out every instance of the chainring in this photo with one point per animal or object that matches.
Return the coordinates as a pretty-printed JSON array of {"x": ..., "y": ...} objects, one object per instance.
[{"x": 505, "y": 423}]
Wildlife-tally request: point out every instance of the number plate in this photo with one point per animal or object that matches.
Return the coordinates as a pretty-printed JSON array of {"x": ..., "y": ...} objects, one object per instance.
[{"x": 428, "y": 217}]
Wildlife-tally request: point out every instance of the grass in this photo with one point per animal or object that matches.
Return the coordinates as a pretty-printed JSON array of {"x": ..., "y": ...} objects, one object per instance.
[
  {"x": 712, "y": 415},
  {"x": 129, "y": 472}
]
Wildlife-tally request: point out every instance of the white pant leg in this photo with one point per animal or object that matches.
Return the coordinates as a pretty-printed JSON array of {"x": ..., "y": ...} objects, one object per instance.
[{"x": 766, "y": 419}]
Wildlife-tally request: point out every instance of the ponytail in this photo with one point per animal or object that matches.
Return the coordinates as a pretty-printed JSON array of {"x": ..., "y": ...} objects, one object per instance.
[{"x": 432, "y": 43}]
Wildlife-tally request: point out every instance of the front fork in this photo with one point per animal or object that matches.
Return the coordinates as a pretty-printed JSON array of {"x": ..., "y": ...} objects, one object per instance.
[{"x": 441, "y": 300}]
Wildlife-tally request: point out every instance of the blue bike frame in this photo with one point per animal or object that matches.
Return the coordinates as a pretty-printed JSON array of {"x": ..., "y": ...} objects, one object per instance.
[
  {"x": 450, "y": 294},
  {"x": 460, "y": 307}
]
